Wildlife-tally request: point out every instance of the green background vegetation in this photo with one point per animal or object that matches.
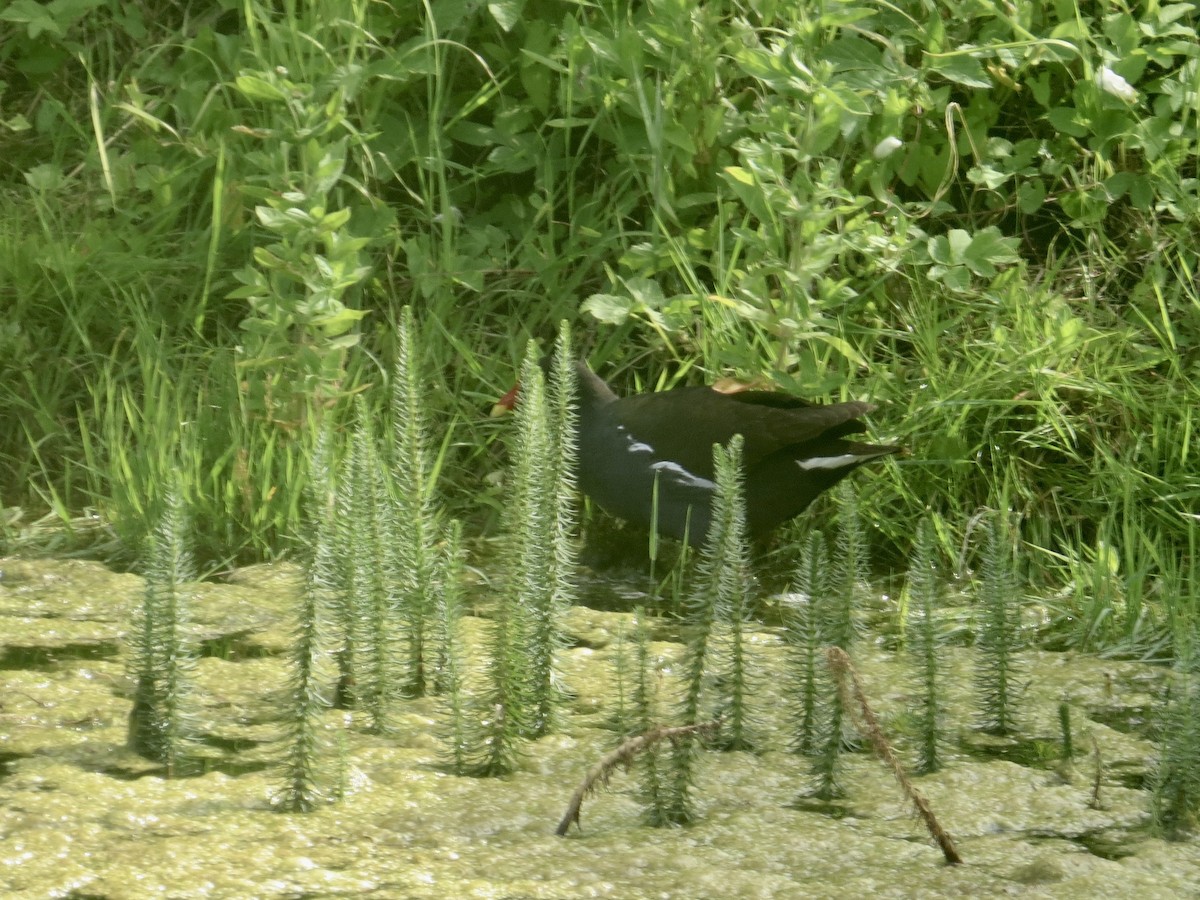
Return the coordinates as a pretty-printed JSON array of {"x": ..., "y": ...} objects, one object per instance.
[{"x": 211, "y": 215}]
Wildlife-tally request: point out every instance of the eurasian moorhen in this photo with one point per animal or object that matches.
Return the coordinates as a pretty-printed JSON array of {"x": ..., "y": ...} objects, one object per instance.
[{"x": 793, "y": 451}]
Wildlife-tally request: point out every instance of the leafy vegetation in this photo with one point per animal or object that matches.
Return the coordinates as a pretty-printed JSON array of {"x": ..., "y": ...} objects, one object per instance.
[{"x": 981, "y": 216}]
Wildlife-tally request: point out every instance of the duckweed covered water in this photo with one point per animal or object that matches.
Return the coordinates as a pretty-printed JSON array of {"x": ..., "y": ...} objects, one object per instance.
[{"x": 82, "y": 816}]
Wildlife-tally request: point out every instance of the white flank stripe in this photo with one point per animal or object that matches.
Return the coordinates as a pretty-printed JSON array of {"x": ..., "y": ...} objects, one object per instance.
[
  {"x": 829, "y": 462},
  {"x": 634, "y": 445},
  {"x": 677, "y": 474}
]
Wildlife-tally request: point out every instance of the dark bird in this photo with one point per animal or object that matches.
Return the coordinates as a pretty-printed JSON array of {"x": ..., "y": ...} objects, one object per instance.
[{"x": 793, "y": 451}]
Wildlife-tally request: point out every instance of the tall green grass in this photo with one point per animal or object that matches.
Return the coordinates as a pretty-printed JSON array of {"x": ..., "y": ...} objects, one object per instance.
[{"x": 210, "y": 220}]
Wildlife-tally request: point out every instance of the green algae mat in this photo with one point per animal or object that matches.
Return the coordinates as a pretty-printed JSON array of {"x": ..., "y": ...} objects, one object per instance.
[{"x": 83, "y": 817}]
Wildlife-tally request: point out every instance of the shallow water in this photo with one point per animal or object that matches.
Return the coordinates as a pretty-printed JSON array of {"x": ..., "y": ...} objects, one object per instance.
[{"x": 82, "y": 816}]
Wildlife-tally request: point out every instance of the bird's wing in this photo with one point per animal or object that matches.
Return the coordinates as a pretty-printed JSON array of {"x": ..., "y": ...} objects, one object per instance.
[{"x": 683, "y": 424}]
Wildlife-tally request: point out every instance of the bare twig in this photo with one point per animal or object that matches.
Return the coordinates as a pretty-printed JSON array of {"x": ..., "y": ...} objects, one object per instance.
[
  {"x": 849, "y": 683},
  {"x": 624, "y": 756},
  {"x": 1096, "y": 802}
]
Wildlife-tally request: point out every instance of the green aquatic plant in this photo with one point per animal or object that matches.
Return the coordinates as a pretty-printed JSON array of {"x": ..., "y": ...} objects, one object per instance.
[
  {"x": 622, "y": 716},
  {"x": 553, "y": 548},
  {"x": 1064, "y": 727},
  {"x": 624, "y": 756},
  {"x": 414, "y": 520},
  {"x": 162, "y": 661},
  {"x": 728, "y": 566},
  {"x": 718, "y": 611},
  {"x": 564, "y": 429},
  {"x": 1176, "y": 779},
  {"x": 520, "y": 659},
  {"x": 652, "y": 785},
  {"x": 830, "y": 744},
  {"x": 307, "y": 699},
  {"x": 848, "y": 564},
  {"x": 837, "y": 627},
  {"x": 664, "y": 773},
  {"x": 998, "y": 672},
  {"x": 809, "y": 595},
  {"x": 447, "y": 631},
  {"x": 366, "y": 604},
  {"x": 925, "y": 647},
  {"x": 717, "y": 669},
  {"x": 836, "y": 618},
  {"x": 820, "y": 616},
  {"x": 851, "y": 553}
]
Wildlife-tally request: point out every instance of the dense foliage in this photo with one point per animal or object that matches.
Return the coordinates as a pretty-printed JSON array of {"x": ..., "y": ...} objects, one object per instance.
[{"x": 983, "y": 216}]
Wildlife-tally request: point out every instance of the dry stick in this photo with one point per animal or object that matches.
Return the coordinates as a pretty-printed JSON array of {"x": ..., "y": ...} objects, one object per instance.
[
  {"x": 1095, "y": 803},
  {"x": 847, "y": 678},
  {"x": 623, "y": 756}
]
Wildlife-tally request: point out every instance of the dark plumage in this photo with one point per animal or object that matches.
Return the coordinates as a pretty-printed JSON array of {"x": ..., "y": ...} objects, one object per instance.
[{"x": 793, "y": 451}]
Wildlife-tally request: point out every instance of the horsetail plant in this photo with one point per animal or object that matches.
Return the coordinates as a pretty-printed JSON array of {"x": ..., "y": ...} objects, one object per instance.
[
  {"x": 516, "y": 659},
  {"x": 715, "y": 615},
  {"x": 997, "y": 672},
  {"x": 809, "y": 596},
  {"x": 731, "y": 569},
  {"x": 163, "y": 657},
  {"x": 849, "y": 567},
  {"x": 852, "y": 562},
  {"x": 447, "y": 622},
  {"x": 366, "y": 608},
  {"x": 838, "y": 629},
  {"x": 832, "y": 614},
  {"x": 548, "y": 606},
  {"x": 623, "y": 719},
  {"x": 716, "y": 612},
  {"x": 925, "y": 647},
  {"x": 1176, "y": 780},
  {"x": 306, "y": 697},
  {"x": 825, "y": 621},
  {"x": 1067, "y": 732},
  {"x": 655, "y": 806},
  {"x": 414, "y": 557}
]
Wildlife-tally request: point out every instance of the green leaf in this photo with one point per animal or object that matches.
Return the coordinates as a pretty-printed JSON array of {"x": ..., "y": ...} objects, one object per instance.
[
  {"x": 850, "y": 53},
  {"x": 608, "y": 308},
  {"x": 345, "y": 341},
  {"x": 340, "y": 322},
  {"x": 740, "y": 308},
  {"x": 960, "y": 242},
  {"x": 36, "y": 17},
  {"x": 740, "y": 175},
  {"x": 512, "y": 160},
  {"x": 939, "y": 250},
  {"x": 988, "y": 176},
  {"x": 1086, "y": 208},
  {"x": 842, "y": 346},
  {"x": 1066, "y": 120},
  {"x": 1030, "y": 196},
  {"x": 1141, "y": 192},
  {"x": 254, "y": 88},
  {"x": 956, "y": 278},
  {"x": 506, "y": 13},
  {"x": 45, "y": 177},
  {"x": 992, "y": 248},
  {"x": 267, "y": 259},
  {"x": 1039, "y": 86},
  {"x": 332, "y": 221},
  {"x": 271, "y": 218},
  {"x": 645, "y": 292},
  {"x": 961, "y": 68}
]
